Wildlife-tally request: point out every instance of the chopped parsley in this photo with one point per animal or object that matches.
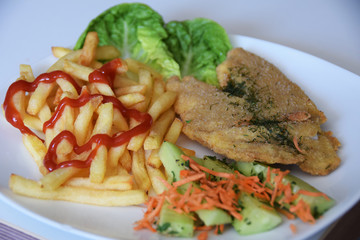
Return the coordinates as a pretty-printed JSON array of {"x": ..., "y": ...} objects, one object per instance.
[{"x": 162, "y": 228}]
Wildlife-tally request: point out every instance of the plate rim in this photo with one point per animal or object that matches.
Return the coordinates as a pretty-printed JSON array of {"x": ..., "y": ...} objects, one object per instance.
[{"x": 48, "y": 221}]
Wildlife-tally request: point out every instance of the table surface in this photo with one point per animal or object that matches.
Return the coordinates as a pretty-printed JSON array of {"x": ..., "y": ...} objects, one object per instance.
[{"x": 328, "y": 29}]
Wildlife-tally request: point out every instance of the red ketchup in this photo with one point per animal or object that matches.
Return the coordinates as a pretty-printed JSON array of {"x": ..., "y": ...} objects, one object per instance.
[{"x": 105, "y": 74}]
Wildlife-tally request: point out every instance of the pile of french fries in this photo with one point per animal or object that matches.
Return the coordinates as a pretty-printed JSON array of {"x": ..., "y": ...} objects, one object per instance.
[{"x": 118, "y": 176}]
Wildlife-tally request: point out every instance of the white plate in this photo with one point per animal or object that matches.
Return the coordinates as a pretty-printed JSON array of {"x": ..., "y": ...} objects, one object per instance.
[{"x": 334, "y": 90}]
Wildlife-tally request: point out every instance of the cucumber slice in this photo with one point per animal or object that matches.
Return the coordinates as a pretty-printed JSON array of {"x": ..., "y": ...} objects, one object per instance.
[
  {"x": 174, "y": 224},
  {"x": 318, "y": 204},
  {"x": 256, "y": 218},
  {"x": 215, "y": 216},
  {"x": 170, "y": 156}
]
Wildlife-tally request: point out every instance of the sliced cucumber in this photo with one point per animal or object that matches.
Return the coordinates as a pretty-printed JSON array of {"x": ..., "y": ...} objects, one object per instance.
[
  {"x": 172, "y": 223},
  {"x": 170, "y": 156},
  {"x": 318, "y": 204},
  {"x": 256, "y": 217},
  {"x": 212, "y": 217}
]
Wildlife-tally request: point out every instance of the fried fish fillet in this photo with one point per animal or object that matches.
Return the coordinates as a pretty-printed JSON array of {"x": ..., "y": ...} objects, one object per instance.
[{"x": 256, "y": 115}]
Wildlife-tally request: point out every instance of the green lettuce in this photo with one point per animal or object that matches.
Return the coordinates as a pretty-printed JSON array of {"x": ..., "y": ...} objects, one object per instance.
[
  {"x": 138, "y": 32},
  {"x": 198, "y": 45}
]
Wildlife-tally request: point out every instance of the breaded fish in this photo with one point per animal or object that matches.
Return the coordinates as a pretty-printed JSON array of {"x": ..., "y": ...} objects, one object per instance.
[{"x": 256, "y": 115}]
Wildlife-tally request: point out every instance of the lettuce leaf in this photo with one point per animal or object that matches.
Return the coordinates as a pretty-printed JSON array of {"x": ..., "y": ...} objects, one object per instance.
[
  {"x": 138, "y": 32},
  {"x": 198, "y": 45}
]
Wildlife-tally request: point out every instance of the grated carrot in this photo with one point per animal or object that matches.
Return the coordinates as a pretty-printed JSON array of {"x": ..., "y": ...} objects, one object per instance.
[
  {"x": 302, "y": 210},
  {"x": 187, "y": 151},
  {"x": 219, "y": 229},
  {"x": 293, "y": 228},
  {"x": 313, "y": 194},
  {"x": 286, "y": 213},
  {"x": 203, "y": 236},
  {"x": 224, "y": 194},
  {"x": 189, "y": 179},
  {"x": 203, "y": 228}
]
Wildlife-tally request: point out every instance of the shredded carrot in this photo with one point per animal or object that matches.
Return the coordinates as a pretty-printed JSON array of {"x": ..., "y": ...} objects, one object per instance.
[
  {"x": 224, "y": 194},
  {"x": 184, "y": 173},
  {"x": 203, "y": 236},
  {"x": 264, "y": 206},
  {"x": 302, "y": 210},
  {"x": 166, "y": 184},
  {"x": 313, "y": 194},
  {"x": 286, "y": 213},
  {"x": 219, "y": 229},
  {"x": 187, "y": 151},
  {"x": 204, "y": 228},
  {"x": 293, "y": 228},
  {"x": 185, "y": 197},
  {"x": 189, "y": 179}
]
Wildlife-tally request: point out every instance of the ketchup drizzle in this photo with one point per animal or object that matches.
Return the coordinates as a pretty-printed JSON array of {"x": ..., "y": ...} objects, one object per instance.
[
  {"x": 105, "y": 74},
  {"x": 11, "y": 113}
]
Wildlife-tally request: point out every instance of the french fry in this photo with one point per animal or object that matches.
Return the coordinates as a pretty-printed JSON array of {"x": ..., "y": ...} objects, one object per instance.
[
  {"x": 44, "y": 113},
  {"x": 102, "y": 126},
  {"x": 137, "y": 141},
  {"x": 67, "y": 87},
  {"x": 109, "y": 183},
  {"x": 131, "y": 98},
  {"x": 107, "y": 52},
  {"x": 121, "y": 81},
  {"x": 96, "y": 65},
  {"x": 78, "y": 71},
  {"x": 126, "y": 160},
  {"x": 121, "y": 181},
  {"x": 57, "y": 97},
  {"x": 131, "y": 89},
  {"x": 139, "y": 171},
  {"x": 33, "y": 122},
  {"x": 63, "y": 150},
  {"x": 32, "y": 188},
  {"x": 59, "y": 64},
  {"x": 19, "y": 101},
  {"x": 120, "y": 122},
  {"x": 38, "y": 97},
  {"x": 104, "y": 122},
  {"x": 37, "y": 149},
  {"x": 155, "y": 175},
  {"x": 98, "y": 165},
  {"x": 174, "y": 131},
  {"x": 49, "y": 136},
  {"x": 146, "y": 80},
  {"x": 26, "y": 73},
  {"x": 66, "y": 121},
  {"x": 158, "y": 130},
  {"x": 92, "y": 88},
  {"x": 88, "y": 52},
  {"x": 134, "y": 66},
  {"x": 84, "y": 118},
  {"x": 163, "y": 103},
  {"x": 154, "y": 159},
  {"x": 104, "y": 89},
  {"x": 115, "y": 154},
  {"x": 57, "y": 177},
  {"x": 158, "y": 90},
  {"x": 59, "y": 52}
]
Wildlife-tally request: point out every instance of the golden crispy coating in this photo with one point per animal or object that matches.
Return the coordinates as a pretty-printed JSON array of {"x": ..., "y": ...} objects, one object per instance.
[{"x": 257, "y": 115}]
